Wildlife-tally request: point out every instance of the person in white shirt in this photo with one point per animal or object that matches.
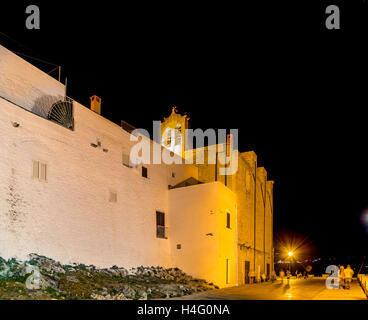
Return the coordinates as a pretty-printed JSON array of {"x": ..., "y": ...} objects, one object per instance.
[
  {"x": 348, "y": 275},
  {"x": 263, "y": 277}
]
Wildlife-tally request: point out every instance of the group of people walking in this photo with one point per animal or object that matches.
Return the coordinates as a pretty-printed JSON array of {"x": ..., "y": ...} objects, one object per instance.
[
  {"x": 345, "y": 276},
  {"x": 288, "y": 274}
]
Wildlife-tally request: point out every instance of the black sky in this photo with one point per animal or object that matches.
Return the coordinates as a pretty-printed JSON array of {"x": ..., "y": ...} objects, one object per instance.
[{"x": 296, "y": 92}]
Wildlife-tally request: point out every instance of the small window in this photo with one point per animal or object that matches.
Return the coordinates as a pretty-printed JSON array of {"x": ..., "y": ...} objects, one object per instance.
[
  {"x": 39, "y": 170},
  {"x": 35, "y": 173},
  {"x": 144, "y": 172},
  {"x": 228, "y": 220},
  {"x": 113, "y": 197},
  {"x": 160, "y": 225},
  {"x": 126, "y": 160},
  {"x": 168, "y": 139},
  {"x": 178, "y": 246},
  {"x": 173, "y": 174},
  {"x": 177, "y": 138},
  {"x": 43, "y": 171}
]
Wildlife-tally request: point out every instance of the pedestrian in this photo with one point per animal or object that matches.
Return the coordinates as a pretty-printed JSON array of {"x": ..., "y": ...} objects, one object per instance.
[
  {"x": 258, "y": 276},
  {"x": 288, "y": 275},
  {"x": 348, "y": 275},
  {"x": 263, "y": 277},
  {"x": 273, "y": 276},
  {"x": 341, "y": 277},
  {"x": 282, "y": 275},
  {"x": 251, "y": 276}
]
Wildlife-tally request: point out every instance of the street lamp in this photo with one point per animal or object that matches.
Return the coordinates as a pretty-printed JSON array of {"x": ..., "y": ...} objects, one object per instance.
[{"x": 290, "y": 254}]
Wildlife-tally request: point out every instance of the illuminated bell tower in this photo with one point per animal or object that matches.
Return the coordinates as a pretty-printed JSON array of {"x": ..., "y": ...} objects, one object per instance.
[{"x": 173, "y": 132}]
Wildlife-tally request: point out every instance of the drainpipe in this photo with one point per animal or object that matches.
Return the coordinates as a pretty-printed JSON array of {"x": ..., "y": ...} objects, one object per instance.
[
  {"x": 255, "y": 212},
  {"x": 236, "y": 244},
  {"x": 216, "y": 166},
  {"x": 264, "y": 226},
  {"x": 225, "y": 164},
  {"x": 272, "y": 244}
]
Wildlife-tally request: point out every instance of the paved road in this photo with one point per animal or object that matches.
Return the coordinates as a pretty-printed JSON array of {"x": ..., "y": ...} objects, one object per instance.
[{"x": 297, "y": 289}]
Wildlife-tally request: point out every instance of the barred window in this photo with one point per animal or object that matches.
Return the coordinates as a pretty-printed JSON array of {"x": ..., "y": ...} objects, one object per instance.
[{"x": 160, "y": 225}]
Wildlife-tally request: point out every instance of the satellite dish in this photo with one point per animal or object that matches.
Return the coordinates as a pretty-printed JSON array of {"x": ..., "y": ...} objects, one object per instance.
[{"x": 61, "y": 112}]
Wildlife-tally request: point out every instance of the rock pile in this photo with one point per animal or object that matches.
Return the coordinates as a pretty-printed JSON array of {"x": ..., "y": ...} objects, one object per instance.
[{"x": 43, "y": 278}]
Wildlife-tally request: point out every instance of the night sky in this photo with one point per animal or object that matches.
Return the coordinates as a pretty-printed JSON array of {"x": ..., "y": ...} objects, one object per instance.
[{"x": 296, "y": 92}]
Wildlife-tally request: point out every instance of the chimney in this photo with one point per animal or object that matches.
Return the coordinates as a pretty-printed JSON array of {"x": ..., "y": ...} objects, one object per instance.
[
  {"x": 96, "y": 104},
  {"x": 229, "y": 138}
]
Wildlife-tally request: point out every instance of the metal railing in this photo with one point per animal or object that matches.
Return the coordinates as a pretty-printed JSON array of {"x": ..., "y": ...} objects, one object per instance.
[
  {"x": 161, "y": 232},
  {"x": 363, "y": 280}
]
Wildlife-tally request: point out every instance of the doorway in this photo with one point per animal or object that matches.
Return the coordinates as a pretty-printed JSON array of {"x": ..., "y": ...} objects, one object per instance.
[{"x": 246, "y": 271}]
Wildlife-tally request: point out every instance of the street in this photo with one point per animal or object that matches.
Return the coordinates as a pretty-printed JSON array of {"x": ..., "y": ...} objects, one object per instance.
[{"x": 297, "y": 289}]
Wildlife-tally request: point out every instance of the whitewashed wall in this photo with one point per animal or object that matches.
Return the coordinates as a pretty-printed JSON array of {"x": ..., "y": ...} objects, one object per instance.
[
  {"x": 195, "y": 212},
  {"x": 69, "y": 217},
  {"x": 25, "y": 85}
]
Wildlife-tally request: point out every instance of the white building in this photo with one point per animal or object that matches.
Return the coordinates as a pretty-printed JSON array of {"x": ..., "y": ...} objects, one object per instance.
[{"x": 68, "y": 192}]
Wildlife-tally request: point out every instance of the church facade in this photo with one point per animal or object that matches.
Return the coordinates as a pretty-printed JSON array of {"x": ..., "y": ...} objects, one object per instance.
[{"x": 69, "y": 191}]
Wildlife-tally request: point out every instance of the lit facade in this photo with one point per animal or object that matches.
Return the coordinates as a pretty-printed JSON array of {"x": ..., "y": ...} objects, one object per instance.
[{"x": 68, "y": 192}]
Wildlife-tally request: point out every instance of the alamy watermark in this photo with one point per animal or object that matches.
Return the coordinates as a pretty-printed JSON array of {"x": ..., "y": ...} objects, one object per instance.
[
  {"x": 221, "y": 149},
  {"x": 33, "y": 18},
  {"x": 33, "y": 280},
  {"x": 333, "y": 19},
  {"x": 333, "y": 280}
]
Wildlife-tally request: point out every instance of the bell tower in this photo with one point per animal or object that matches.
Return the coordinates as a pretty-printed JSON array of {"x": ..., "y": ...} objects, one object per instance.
[{"x": 173, "y": 132}]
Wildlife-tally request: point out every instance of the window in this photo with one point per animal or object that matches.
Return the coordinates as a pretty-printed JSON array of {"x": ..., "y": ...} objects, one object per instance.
[
  {"x": 36, "y": 166},
  {"x": 173, "y": 174},
  {"x": 168, "y": 140},
  {"x": 144, "y": 172},
  {"x": 228, "y": 220},
  {"x": 39, "y": 170},
  {"x": 113, "y": 197},
  {"x": 43, "y": 169},
  {"x": 160, "y": 225},
  {"x": 177, "y": 137},
  {"x": 126, "y": 160}
]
